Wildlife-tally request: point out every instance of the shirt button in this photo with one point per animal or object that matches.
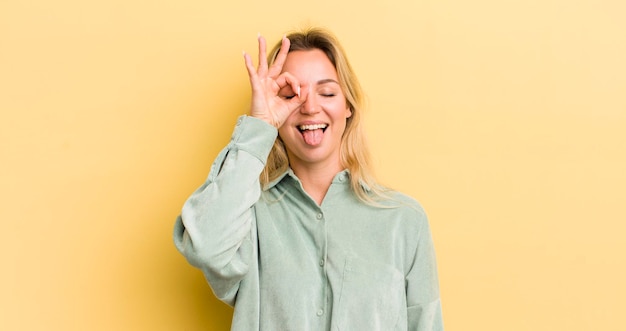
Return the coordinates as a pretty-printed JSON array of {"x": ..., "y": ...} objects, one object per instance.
[
  {"x": 342, "y": 177},
  {"x": 320, "y": 216},
  {"x": 321, "y": 263},
  {"x": 320, "y": 312}
]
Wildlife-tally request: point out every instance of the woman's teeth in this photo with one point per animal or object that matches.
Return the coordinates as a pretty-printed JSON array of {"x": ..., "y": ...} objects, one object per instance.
[{"x": 312, "y": 127}]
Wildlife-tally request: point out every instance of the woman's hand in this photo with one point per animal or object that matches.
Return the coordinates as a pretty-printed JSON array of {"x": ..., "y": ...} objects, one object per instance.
[{"x": 275, "y": 95}]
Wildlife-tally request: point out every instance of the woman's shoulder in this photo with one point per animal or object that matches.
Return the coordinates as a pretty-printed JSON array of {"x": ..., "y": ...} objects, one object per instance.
[{"x": 400, "y": 203}]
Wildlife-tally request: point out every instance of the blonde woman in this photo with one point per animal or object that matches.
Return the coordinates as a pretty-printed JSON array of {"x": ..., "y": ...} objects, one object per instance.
[{"x": 290, "y": 227}]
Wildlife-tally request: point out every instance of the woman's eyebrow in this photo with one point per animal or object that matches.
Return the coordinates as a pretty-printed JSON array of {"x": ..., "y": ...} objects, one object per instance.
[{"x": 326, "y": 81}]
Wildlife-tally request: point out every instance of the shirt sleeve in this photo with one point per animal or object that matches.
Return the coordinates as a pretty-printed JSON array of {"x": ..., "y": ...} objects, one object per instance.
[
  {"x": 423, "y": 300},
  {"x": 215, "y": 228}
]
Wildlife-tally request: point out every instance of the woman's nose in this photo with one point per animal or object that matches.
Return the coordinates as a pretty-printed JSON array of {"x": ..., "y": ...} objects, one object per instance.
[{"x": 310, "y": 105}]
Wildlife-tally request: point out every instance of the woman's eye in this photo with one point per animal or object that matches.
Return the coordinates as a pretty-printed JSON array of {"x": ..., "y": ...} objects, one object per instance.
[
  {"x": 288, "y": 97},
  {"x": 328, "y": 95}
]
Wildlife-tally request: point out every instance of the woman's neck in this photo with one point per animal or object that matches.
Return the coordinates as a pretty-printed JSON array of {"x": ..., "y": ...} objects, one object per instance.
[{"x": 316, "y": 179}]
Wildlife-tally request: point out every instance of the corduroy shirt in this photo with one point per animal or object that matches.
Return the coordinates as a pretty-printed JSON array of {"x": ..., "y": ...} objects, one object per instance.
[{"x": 286, "y": 263}]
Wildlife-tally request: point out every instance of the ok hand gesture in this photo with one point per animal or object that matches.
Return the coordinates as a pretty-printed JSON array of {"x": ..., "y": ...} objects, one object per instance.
[{"x": 268, "y": 102}]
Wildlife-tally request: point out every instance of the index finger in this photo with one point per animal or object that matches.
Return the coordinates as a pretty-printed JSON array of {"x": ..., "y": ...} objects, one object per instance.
[{"x": 277, "y": 66}]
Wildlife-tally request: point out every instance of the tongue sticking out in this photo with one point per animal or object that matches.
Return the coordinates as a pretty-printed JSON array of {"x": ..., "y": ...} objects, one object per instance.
[{"x": 313, "y": 137}]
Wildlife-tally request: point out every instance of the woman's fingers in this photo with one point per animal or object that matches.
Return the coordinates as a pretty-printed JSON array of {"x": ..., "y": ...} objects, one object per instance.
[
  {"x": 262, "y": 71},
  {"x": 277, "y": 66},
  {"x": 249, "y": 65},
  {"x": 275, "y": 94},
  {"x": 252, "y": 74},
  {"x": 286, "y": 79}
]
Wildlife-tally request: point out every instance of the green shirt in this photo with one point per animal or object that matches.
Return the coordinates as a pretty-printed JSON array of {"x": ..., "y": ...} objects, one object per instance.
[{"x": 286, "y": 263}]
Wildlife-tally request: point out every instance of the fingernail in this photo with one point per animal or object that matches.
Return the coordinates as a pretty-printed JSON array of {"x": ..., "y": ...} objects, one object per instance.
[{"x": 298, "y": 91}]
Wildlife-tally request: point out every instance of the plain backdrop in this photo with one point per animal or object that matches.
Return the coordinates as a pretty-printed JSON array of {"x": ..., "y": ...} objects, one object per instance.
[{"x": 505, "y": 119}]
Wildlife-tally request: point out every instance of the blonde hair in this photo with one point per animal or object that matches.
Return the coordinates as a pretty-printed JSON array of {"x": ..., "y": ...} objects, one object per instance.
[{"x": 354, "y": 153}]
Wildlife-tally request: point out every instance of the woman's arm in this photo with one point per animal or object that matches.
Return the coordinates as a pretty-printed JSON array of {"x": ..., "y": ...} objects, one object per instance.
[
  {"x": 422, "y": 285},
  {"x": 214, "y": 229}
]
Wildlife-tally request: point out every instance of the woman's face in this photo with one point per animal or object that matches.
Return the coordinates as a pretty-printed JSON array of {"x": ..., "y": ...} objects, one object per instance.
[{"x": 312, "y": 133}]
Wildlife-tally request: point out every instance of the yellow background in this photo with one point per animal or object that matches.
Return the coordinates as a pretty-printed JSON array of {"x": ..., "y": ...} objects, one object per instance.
[{"x": 506, "y": 119}]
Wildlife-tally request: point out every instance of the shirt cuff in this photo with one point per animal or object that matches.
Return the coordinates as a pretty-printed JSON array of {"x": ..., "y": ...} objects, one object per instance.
[{"x": 254, "y": 136}]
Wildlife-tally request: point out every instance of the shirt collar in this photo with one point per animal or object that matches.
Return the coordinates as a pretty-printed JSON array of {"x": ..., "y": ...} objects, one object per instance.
[
  {"x": 279, "y": 179},
  {"x": 340, "y": 178}
]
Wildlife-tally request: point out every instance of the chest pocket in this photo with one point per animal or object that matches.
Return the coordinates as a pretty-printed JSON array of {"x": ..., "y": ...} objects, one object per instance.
[{"x": 372, "y": 297}]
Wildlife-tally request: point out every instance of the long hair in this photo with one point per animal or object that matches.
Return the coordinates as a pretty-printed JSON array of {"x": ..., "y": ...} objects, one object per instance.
[{"x": 354, "y": 153}]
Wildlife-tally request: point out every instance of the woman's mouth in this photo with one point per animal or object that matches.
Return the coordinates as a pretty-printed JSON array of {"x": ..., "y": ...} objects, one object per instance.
[{"x": 312, "y": 133}]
